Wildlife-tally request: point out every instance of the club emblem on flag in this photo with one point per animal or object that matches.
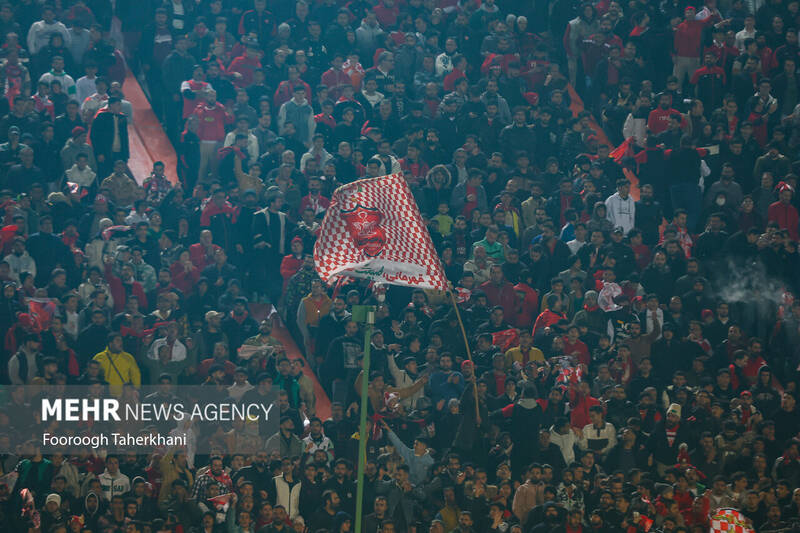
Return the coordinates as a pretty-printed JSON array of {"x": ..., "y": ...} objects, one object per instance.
[
  {"x": 363, "y": 224},
  {"x": 373, "y": 230}
]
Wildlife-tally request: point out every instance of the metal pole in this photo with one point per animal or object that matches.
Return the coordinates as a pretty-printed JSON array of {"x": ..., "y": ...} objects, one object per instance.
[
  {"x": 469, "y": 357},
  {"x": 362, "y": 428}
]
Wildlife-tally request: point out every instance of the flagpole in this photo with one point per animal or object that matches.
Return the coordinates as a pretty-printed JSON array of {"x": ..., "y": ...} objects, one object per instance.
[
  {"x": 469, "y": 355},
  {"x": 362, "y": 428}
]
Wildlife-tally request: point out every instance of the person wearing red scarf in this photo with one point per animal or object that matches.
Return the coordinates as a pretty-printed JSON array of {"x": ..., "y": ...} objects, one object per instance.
[
  {"x": 550, "y": 316},
  {"x": 218, "y": 205},
  {"x": 314, "y": 199},
  {"x": 215, "y": 475},
  {"x": 292, "y": 262}
]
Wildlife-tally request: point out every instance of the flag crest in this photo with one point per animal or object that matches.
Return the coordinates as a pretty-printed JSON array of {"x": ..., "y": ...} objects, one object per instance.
[{"x": 373, "y": 230}]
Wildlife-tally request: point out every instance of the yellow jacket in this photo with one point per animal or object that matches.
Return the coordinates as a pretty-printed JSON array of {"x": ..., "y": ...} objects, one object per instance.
[
  {"x": 118, "y": 369},
  {"x": 515, "y": 355}
]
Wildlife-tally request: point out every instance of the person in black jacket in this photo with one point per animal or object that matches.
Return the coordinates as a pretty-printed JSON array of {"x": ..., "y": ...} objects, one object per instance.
[
  {"x": 517, "y": 136},
  {"x": 648, "y": 215},
  {"x": 176, "y": 68},
  {"x": 666, "y": 438},
  {"x": 109, "y": 137}
]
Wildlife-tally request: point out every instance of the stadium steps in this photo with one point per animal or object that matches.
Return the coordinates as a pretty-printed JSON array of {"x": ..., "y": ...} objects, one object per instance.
[{"x": 148, "y": 144}]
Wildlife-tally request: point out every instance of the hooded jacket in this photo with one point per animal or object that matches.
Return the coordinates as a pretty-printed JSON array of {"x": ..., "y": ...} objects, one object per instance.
[
  {"x": 90, "y": 517},
  {"x": 71, "y": 150},
  {"x": 526, "y": 310},
  {"x": 114, "y": 485},
  {"x": 118, "y": 368}
]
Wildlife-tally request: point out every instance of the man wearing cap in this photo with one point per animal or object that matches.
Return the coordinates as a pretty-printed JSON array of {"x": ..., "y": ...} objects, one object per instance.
[
  {"x": 52, "y": 515},
  {"x": 666, "y": 438},
  {"x": 75, "y": 145},
  {"x": 109, "y": 136}
]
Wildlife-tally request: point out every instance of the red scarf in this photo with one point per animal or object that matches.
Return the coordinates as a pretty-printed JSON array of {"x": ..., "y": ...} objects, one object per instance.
[
  {"x": 223, "y": 479},
  {"x": 672, "y": 433}
]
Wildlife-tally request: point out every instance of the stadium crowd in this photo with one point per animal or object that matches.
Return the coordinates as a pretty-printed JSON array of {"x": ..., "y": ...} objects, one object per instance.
[{"x": 611, "y": 188}]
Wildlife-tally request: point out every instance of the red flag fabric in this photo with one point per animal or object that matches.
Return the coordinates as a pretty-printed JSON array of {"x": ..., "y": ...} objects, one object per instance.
[
  {"x": 625, "y": 149},
  {"x": 463, "y": 295},
  {"x": 221, "y": 502},
  {"x": 645, "y": 522},
  {"x": 506, "y": 339},
  {"x": 373, "y": 230},
  {"x": 570, "y": 374},
  {"x": 42, "y": 311}
]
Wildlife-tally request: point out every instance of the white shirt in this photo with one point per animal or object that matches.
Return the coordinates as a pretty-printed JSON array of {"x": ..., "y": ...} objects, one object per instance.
[
  {"x": 178, "y": 349},
  {"x": 605, "y": 438},
  {"x": 742, "y": 35},
  {"x": 621, "y": 211}
]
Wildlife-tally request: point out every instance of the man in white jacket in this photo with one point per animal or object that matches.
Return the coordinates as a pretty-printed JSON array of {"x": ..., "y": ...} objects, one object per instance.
[
  {"x": 39, "y": 34},
  {"x": 287, "y": 490},
  {"x": 19, "y": 260},
  {"x": 563, "y": 435},
  {"x": 620, "y": 207},
  {"x": 599, "y": 436},
  {"x": 114, "y": 482},
  {"x": 81, "y": 173}
]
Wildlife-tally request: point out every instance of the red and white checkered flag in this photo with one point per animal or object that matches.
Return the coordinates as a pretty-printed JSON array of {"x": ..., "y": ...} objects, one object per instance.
[
  {"x": 730, "y": 521},
  {"x": 373, "y": 230}
]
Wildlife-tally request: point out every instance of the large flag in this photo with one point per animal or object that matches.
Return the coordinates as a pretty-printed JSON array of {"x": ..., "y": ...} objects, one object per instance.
[
  {"x": 42, "y": 311},
  {"x": 373, "y": 230},
  {"x": 731, "y": 521}
]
